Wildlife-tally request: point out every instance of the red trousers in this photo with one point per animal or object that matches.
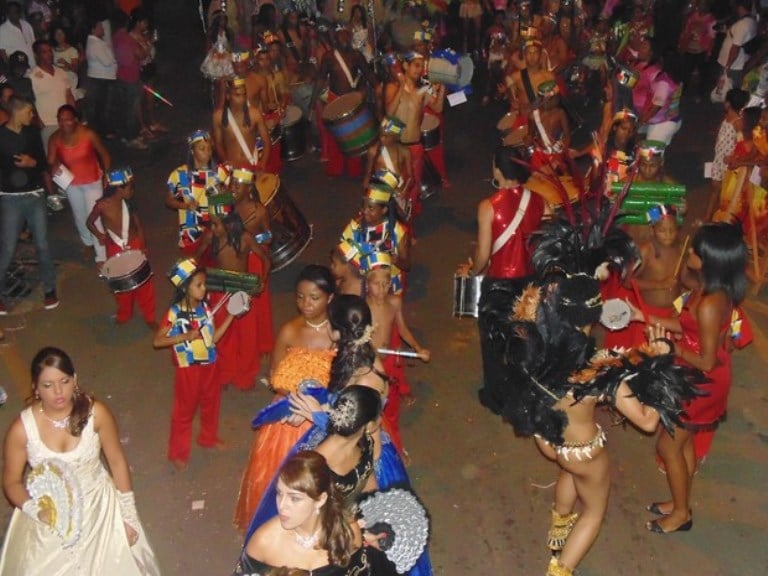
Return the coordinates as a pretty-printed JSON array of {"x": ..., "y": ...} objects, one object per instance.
[
  {"x": 238, "y": 356},
  {"x": 436, "y": 155},
  {"x": 193, "y": 387},
  {"x": 143, "y": 296},
  {"x": 398, "y": 387}
]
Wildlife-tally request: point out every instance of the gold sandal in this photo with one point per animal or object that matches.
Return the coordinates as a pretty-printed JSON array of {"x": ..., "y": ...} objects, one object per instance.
[
  {"x": 557, "y": 569},
  {"x": 559, "y": 529}
]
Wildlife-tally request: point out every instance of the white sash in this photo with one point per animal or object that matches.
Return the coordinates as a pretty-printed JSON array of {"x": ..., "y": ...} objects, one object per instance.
[
  {"x": 122, "y": 240},
  {"x": 388, "y": 159},
  {"x": 347, "y": 73},
  {"x": 514, "y": 225},
  {"x": 253, "y": 157}
]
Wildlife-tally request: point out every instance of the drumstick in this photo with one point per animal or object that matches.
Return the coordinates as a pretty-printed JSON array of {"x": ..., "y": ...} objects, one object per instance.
[
  {"x": 403, "y": 353},
  {"x": 219, "y": 305},
  {"x": 682, "y": 255}
]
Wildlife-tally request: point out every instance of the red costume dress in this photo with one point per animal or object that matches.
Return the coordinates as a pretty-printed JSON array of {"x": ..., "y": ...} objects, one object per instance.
[{"x": 705, "y": 412}]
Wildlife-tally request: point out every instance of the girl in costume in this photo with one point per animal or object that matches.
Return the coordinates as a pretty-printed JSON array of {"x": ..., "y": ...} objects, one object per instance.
[
  {"x": 62, "y": 435},
  {"x": 314, "y": 531},
  {"x": 189, "y": 330},
  {"x": 717, "y": 259},
  {"x": 303, "y": 351}
]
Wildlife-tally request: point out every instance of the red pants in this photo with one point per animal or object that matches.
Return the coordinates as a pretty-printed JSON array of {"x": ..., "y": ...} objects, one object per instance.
[
  {"x": 417, "y": 173},
  {"x": 437, "y": 154},
  {"x": 194, "y": 386},
  {"x": 398, "y": 386},
  {"x": 238, "y": 356},
  {"x": 143, "y": 296}
]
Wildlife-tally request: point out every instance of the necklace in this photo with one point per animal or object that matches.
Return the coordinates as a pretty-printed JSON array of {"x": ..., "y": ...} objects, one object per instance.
[
  {"x": 316, "y": 327},
  {"x": 307, "y": 542},
  {"x": 60, "y": 424}
]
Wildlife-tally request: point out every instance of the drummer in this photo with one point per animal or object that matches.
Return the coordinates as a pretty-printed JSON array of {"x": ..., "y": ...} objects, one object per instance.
[
  {"x": 376, "y": 229},
  {"x": 273, "y": 94},
  {"x": 123, "y": 232},
  {"x": 236, "y": 128},
  {"x": 505, "y": 222},
  {"x": 405, "y": 98},
  {"x": 189, "y": 186},
  {"x": 548, "y": 125},
  {"x": 228, "y": 246},
  {"x": 523, "y": 84},
  {"x": 344, "y": 70}
]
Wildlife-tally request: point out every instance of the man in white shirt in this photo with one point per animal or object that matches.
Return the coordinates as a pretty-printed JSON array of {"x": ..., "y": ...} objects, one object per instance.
[
  {"x": 52, "y": 89},
  {"x": 16, "y": 34},
  {"x": 102, "y": 72},
  {"x": 732, "y": 56}
]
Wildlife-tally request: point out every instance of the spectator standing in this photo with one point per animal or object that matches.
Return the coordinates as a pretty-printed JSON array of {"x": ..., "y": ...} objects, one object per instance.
[
  {"x": 51, "y": 87},
  {"x": 22, "y": 195},
  {"x": 66, "y": 57},
  {"x": 102, "y": 73},
  {"x": 18, "y": 65},
  {"x": 696, "y": 43},
  {"x": 129, "y": 54},
  {"x": 16, "y": 33},
  {"x": 732, "y": 56}
]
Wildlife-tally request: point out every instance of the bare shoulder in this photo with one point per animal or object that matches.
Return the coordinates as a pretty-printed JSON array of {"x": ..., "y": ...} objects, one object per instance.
[
  {"x": 17, "y": 434},
  {"x": 261, "y": 543}
]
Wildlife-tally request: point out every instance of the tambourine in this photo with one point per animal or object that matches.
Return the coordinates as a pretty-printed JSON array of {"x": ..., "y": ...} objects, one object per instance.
[
  {"x": 239, "y": 303},
  {"x": 616, "y": 314}
]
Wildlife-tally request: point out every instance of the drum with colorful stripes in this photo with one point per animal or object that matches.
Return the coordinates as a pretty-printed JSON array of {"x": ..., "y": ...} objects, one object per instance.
[{"x": 351, "y": 123}]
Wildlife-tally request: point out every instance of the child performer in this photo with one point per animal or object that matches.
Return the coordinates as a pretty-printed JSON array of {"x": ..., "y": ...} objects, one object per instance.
[
  {"x": 549, "y": 125},
  {"x": 189, "y": 330},
  {"x": 345, "y": 268},
  {"x": 123, "y": 231},
  {"x": 229, "y": 247},
  {"x": 389, "y": 330}
]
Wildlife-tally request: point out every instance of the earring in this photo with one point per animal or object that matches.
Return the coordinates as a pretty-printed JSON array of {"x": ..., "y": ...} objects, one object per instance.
[{"x": 317, "y": 511}]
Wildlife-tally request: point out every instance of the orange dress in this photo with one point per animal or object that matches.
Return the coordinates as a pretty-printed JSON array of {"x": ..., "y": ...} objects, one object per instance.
[{"x": 272, "y": 442}]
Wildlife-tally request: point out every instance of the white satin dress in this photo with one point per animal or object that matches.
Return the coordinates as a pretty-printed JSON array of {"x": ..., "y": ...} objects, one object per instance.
[{"x": 32, "y": 548}]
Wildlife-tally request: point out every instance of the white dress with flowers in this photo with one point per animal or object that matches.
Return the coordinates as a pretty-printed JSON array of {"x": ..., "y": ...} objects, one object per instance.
[{"x": 32, "y": 548}]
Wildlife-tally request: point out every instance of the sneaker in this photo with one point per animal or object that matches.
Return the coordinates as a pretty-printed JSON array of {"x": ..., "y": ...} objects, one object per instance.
[
  {"x": 3, "y": 309},
  {"x": 137, "y": 144},
  {"x": 51, "y": 300}
]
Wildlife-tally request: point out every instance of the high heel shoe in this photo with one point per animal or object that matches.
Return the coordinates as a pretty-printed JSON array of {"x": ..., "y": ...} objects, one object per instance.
[
  {"x": 655, "y": 508},
  {"x": 653, "y": 526}
]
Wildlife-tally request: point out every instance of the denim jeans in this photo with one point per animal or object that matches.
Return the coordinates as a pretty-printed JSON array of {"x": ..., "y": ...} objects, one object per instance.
[
  {"x": 98, "y": 105},
  {"x": 128, "y": 101},
  {"x": 14, "y": 210},
  {"x": 82, "y": 198}
]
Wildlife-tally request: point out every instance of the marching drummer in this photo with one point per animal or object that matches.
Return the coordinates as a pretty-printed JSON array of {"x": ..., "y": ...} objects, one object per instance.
[
  {"x": 237, "y": 127},
  {"x": 123, "y": 232},
  {"x": 272, "y": 96},
  {"x": 189, "y": 187},
  {"x": 505, "y": 222},
  {"x": 522, "y": 84},
  {"x": 548, "y": 124},
  {"x": 377, "y": 229}
]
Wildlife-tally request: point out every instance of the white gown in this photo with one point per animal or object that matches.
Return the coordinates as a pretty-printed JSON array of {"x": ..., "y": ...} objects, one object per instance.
[{"x": 33, "y": 548}]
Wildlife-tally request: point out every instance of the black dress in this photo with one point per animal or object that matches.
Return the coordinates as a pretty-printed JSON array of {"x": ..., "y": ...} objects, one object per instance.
[
  {"x": 351, "y": 484},
  {"x": 364, "y": 562}
]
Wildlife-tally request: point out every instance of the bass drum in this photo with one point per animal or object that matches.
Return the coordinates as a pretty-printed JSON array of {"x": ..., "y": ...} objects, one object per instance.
[
  {"x": 351, "y": 123},
  {"x": 291, "y": 233},
  {"x": 294, "y": 134}
]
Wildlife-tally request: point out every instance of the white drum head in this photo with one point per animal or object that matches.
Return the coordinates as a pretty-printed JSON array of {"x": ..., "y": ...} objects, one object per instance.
[
  {"x": 616, "y": 314},
  {"x": 292, "y": 115},
  {"x": 239, "y": 303},
  {"x": 123, "y": 263}
]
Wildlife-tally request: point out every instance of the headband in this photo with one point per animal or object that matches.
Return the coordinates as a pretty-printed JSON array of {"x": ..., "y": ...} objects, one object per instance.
[
  {"x": 182, "y": 271},
  {"x": 119, "y": 176},
  {"x": 198, "y": 136},
  {"x": 378, "y": 194},
  {"x": 657, "y": 213},
  {"x": 651, "y": 149}
]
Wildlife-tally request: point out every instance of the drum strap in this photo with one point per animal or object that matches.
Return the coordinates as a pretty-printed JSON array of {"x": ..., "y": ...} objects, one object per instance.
[
  {"x": 345, "y": 69},
  {"x": 526, "y": 78},
  {"x": 514, "y": 225},
  {"x": 122, "y": 240},
  {"x": 387, "y": 159},
  {"x": 253, "y": 157}
]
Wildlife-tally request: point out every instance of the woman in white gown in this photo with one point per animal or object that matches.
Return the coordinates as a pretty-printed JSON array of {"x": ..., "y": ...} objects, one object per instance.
[{"x": 71, "y": 516}]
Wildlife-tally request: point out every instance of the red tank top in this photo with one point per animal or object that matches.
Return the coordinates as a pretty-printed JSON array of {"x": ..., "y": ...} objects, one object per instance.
[
  {"x": 513, "y": 260},
  {"x": 81, "y": 160}
]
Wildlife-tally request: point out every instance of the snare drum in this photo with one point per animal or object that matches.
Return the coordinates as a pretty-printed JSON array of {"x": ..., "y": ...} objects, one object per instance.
[
  {"x": 239, "y": 303},
  {"x": 551, "y": 193},
  {"x": 351, "y": 123},
  {"x": 430, "y": 132},
  {"x": 126, "y": 271},
  {"x": 294, "y": 134},
  {"x": 290, "y": 231},
  {"x": 509, "y": 134},
  {"x": 466, "y": 295}
]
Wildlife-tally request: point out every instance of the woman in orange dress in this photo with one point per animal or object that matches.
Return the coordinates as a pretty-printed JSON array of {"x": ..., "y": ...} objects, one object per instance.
[{"x": 303, "y": 351}]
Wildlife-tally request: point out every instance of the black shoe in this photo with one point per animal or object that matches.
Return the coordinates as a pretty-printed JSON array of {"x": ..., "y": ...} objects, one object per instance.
[
  {"x": 51, "y": 301},
  {"x": 653, "y": 526}
]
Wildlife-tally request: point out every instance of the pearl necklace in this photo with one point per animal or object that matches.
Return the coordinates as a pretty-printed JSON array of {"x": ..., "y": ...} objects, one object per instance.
[
  {"x": 60, "y": 424},
  {"x": 307, "y": 542},
  {"x": 316, "y": 327}
]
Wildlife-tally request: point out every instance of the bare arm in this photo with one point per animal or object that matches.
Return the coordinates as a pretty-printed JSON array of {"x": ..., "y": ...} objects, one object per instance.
[
  {"x": 14, "y": 462},
  {"x": 53, "y": 148},
  {"x": 91, "y": 223},
  {"x": 644, "y": 417},
  {"x": 218, "y": 137},
  {"x": 709, "y": 314},
  {"x": 258, "y": 119},
  {"x": 106, "y": 427},
  {"x": 484, "y": 240},
  {"x": 405, "y": 331},
  {"x": 281, "y": 345},
  {"x": 393, "y": 93},
  {"x": 101, "y": 151}
]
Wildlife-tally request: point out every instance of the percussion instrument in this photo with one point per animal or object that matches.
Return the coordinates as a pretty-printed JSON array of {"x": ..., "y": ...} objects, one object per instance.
[
  {"x": 644, "y": 195},
  {"x": 616, "y": 314},
  {"x": 126, "y": 271},
  {"x": 294, "y": 134},
  {"x": 550, "y": 191},
  {"x": 275, "y": 129},
  {"x": 400, "y": 353},
  {"x": 430, "y": 132},
  {"x": 450, "y": 68},
  {"x": 466, "y": 295},
  {"x": 239, "y": 303},
  {"x": 290, "y": 232},
  {"x": 219, "y": 280},
  {"x": 351, "y": 123},
  {"x": 508, "y": 135}
]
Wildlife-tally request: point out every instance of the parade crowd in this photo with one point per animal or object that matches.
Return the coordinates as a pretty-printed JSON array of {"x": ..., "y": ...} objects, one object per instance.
[{"x": 578, "y": 232}]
